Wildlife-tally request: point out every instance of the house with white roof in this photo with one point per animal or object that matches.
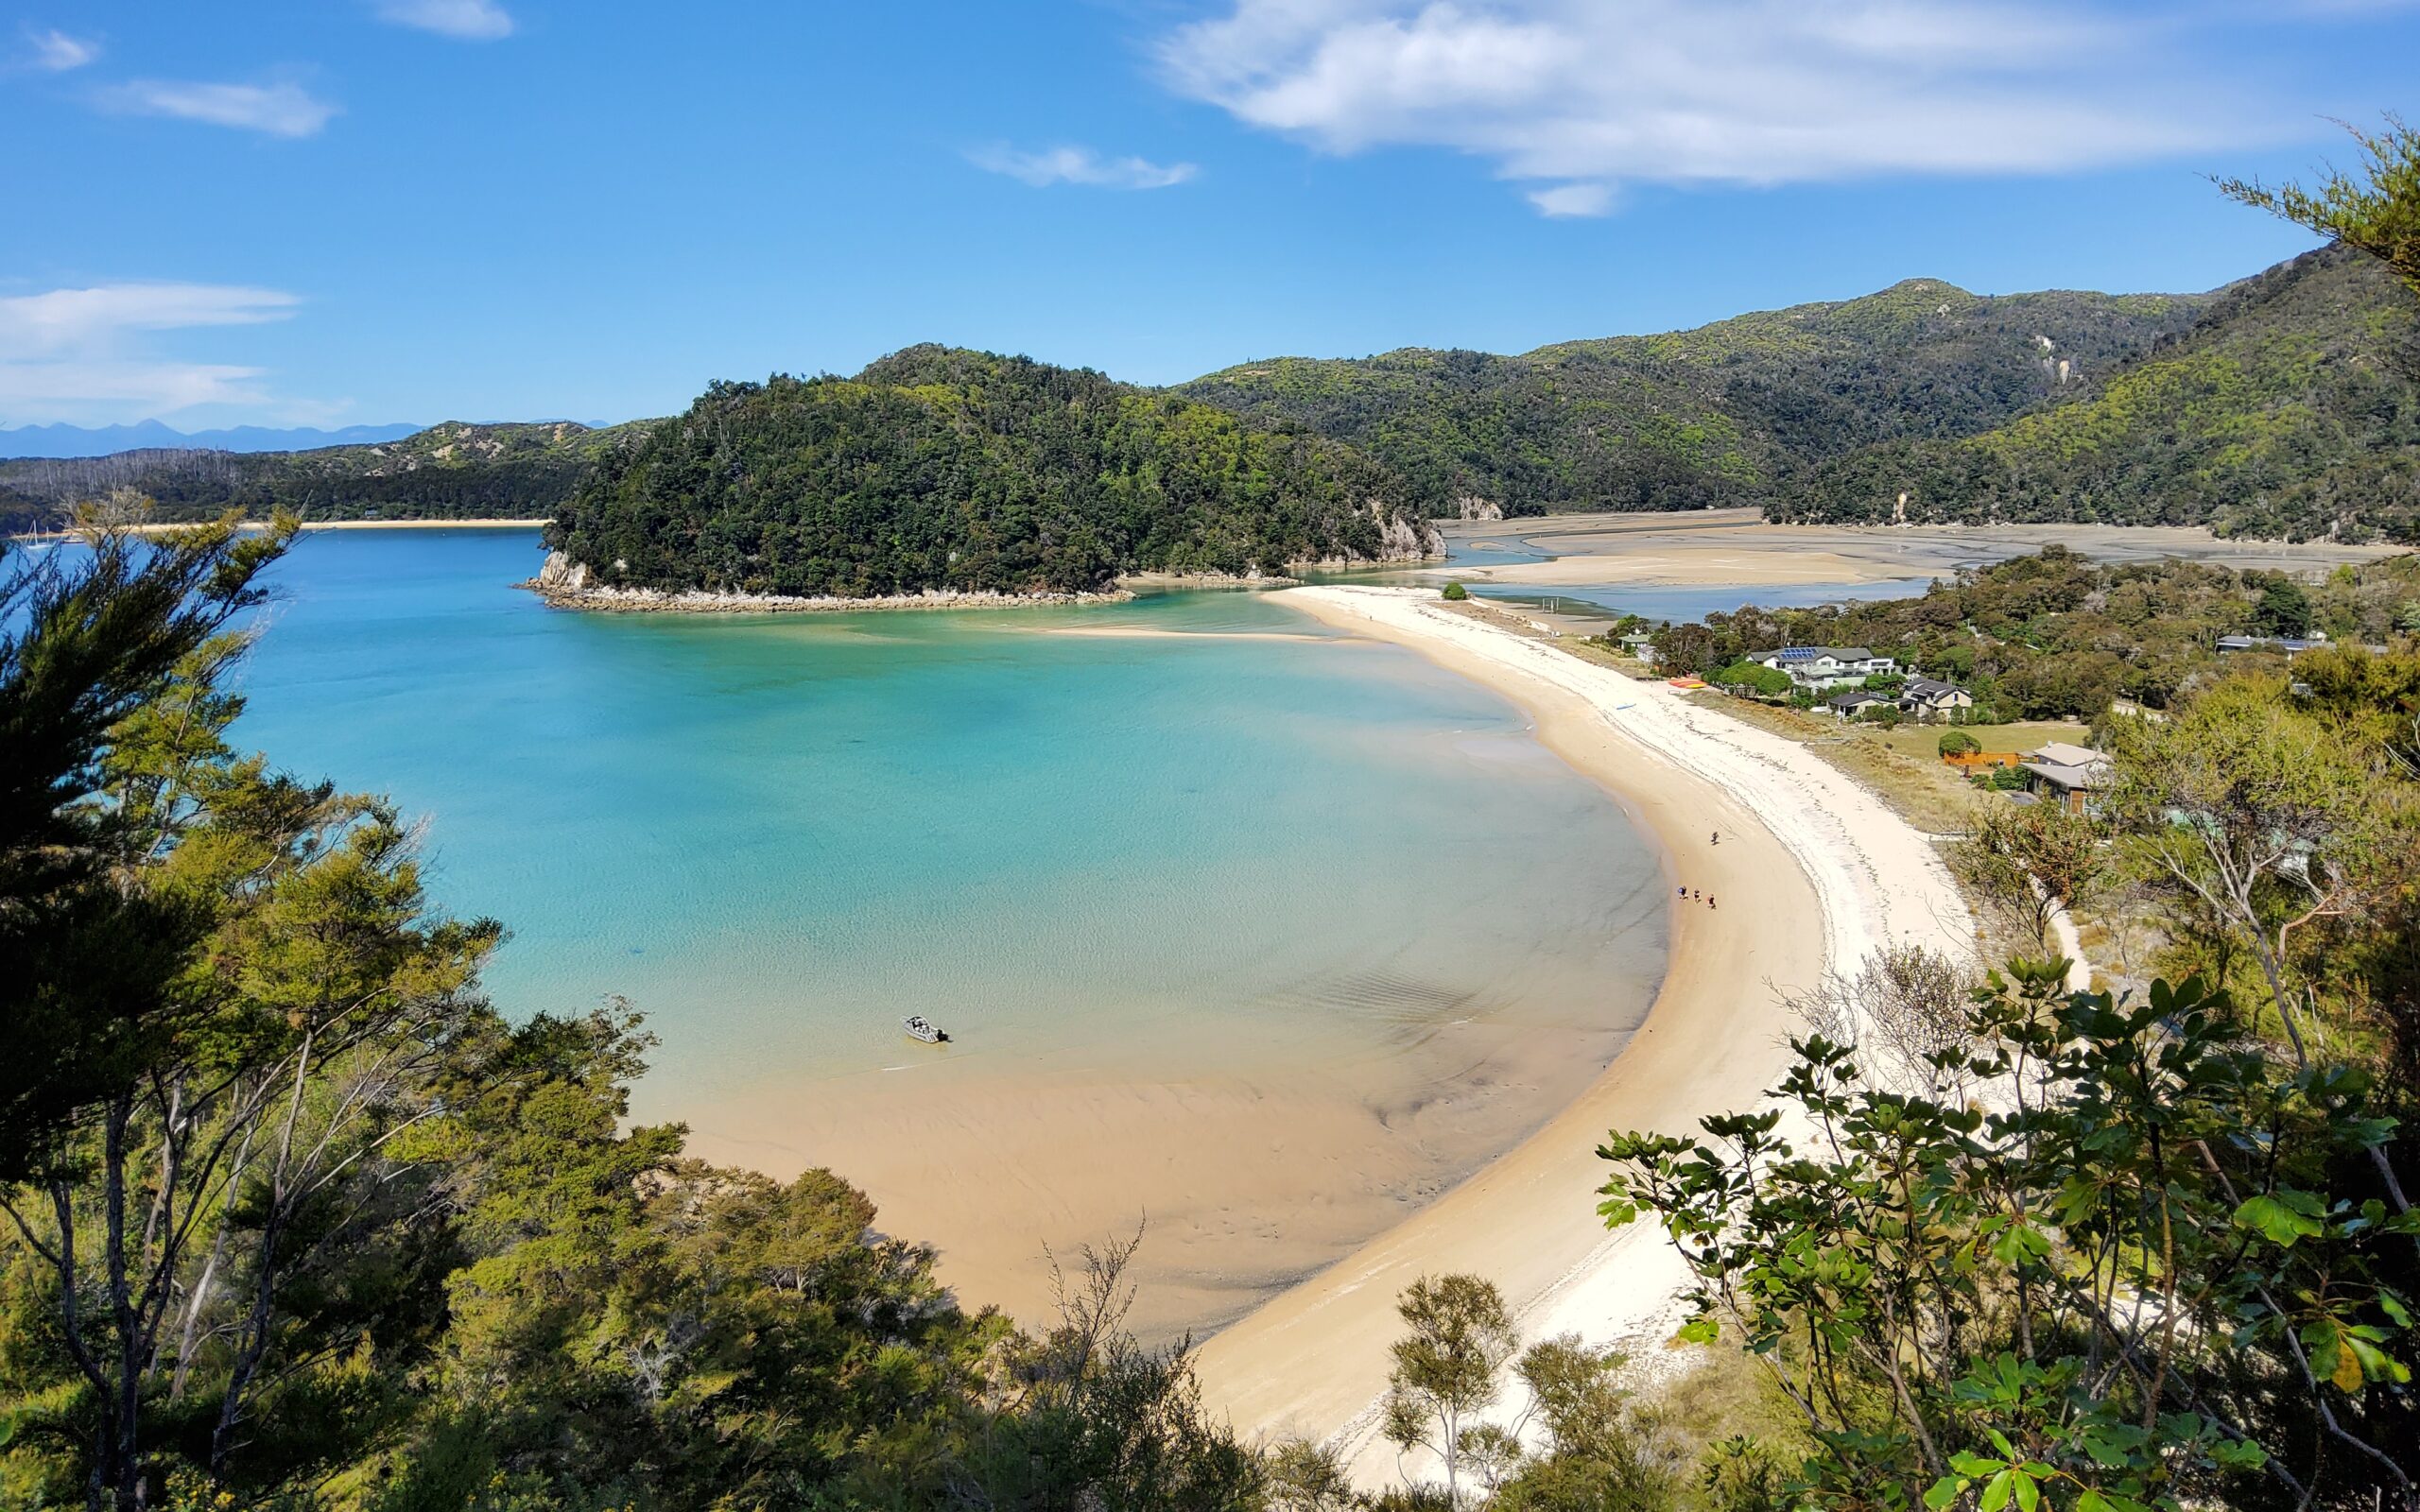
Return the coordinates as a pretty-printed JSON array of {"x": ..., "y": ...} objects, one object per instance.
[{"x": 1826, "y": 666}]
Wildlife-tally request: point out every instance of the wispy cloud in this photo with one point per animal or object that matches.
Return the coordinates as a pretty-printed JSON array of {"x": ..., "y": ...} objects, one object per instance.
[
  {"x": 469, "y": 20},
  {"x": 1079, "y": 165},
  {"x": 56, "y": 52},
  {"x": 1573, "y": 199},
  {"x": 61, "y": 318},
  {"x": 1580, "y": 97},
  {"x": 87, "y": 354},
  {"x": 277, "y": 109}
]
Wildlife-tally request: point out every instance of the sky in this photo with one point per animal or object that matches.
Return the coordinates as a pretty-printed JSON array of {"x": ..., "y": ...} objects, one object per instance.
[{"x": 352, "y": 211}]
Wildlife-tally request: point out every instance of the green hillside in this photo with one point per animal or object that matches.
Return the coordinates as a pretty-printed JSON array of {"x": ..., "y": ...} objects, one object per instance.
[
  {"x": 1709, "y": 415},
  {"x": 2292, "y": 409},
  {"x": 940, "y": 468},
  {"x": 452, "y": 470}
]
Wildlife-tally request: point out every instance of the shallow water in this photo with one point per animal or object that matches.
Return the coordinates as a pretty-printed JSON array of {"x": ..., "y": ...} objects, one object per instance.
[{"x": 1224, "y": 840}]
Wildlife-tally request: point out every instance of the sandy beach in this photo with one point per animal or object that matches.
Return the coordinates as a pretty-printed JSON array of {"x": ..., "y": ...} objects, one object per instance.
[
  {"x": 1719, "y": 547},
  {"x": 1811, "y": 870}
]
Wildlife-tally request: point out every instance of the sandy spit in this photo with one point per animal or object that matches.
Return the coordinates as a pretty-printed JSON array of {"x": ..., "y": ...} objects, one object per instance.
[
  {"x": 161, "y": 527},
  {"x": 1811, "y": 870}
]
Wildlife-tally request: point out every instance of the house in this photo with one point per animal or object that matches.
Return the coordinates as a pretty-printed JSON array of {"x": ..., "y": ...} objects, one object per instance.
[
  {"x": 1640, "y": 644},
  {"x": 2067, "y": 775},
  {"x": 2292, "y": 646},
  {"x": 1926, "y": 699},
  {"x": 1850, "y": 705},
  {"x": 1826, "y": 666}
]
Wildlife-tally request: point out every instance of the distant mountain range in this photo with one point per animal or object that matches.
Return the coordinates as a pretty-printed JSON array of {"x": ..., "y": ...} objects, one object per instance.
[
  {"x": 2285, "y": 405},
  {"x": 80, "y": 441}
]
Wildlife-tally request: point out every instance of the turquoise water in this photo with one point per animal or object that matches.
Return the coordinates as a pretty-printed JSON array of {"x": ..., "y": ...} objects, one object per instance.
[{"x": 1198, "y": 827}]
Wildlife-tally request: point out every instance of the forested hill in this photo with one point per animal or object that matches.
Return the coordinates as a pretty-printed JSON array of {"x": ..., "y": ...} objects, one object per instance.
[
  {"x": 448, "y": 472},
  {"x": 2292, "y": 409},
  {"x": 936, "y": 468},
  {"x": 1710, "y": 416}
]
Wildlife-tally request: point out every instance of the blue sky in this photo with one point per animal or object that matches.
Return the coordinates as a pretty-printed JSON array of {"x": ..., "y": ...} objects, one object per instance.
[{"x": 363, "y": 210}]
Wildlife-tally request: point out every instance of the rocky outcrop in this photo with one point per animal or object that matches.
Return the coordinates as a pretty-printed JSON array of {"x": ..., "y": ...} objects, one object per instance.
[
  {"x": 1471, "y": 507},
  {"x": 559, "y": 574},
  {"x": 1406, "y": 537}
]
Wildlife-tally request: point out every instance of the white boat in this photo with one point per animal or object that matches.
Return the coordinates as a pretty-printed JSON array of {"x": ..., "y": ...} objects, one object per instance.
[{"x": 919, "y": 1027}]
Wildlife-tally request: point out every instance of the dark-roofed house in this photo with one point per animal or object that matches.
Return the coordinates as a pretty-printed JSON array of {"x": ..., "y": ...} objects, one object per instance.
[
  {"x": 1926, "y": 699},
  {"x": 1826, "y": 666},
  {"x": 1850, "y": 705}
]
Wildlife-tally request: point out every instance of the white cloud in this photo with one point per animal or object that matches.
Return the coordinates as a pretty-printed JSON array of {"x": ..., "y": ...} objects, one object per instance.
[
  {"x": 1574, "y": 199},
  {"x": 469, "y": 20},
  {"x": 43, "y": 393},
  {"x": 86, "y": 354},
  {"x": 278, "y": 110},
  {"x": 61, "y": 320},
  {"x": 1580, "y": 96},
  {"x": 1079, "y": 165},
  {"x": 56, "y": 52}
]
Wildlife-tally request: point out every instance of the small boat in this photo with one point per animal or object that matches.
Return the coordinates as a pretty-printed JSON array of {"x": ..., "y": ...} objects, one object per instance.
[{"x": 919, "y": 1027}]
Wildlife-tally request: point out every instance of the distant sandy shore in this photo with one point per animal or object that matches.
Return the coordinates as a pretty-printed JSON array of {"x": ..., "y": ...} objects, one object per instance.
[
  {"x": 1811, "y": 870},
  {"x": 1721, "y": 547},
  {"x": 162, "y": 527}
]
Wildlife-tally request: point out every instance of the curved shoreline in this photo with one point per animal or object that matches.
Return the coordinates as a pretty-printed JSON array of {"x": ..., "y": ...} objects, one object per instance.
[{"x": 1812, "y": 872}]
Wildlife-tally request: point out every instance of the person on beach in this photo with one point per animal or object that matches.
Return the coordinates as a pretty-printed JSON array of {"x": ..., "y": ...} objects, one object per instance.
[
  {"x": 1709, "y": 900},
  {"x": 1718, "y": 837}
]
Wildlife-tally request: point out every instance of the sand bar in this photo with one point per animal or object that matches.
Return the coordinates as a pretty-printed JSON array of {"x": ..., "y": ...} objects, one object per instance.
[
  {"x": 1721, "y": 547},
  {"x": 1811, "y": 870}
]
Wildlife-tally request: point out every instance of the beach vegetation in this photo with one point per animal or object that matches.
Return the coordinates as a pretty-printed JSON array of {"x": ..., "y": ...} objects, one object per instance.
[
  {"x": 1957, "y": 743},
  {"x": 1752, "y": 677},
  {"x": 2146, "y": 1245},
  {"x": 2057, "y": 635},
  {"x": 1455, "y": 594}
]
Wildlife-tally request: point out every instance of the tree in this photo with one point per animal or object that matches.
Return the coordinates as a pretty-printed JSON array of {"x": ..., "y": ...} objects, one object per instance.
[
  {"x": 1456, "y": 593},
  {"x": 1447, "y": 1368},
  {"x": 263, "y": 1005},
  {"x": 82, "y": 649},
  {"x": 2122, "y": 1281},
  {"x": 2031, "y": 864},
  {"x": 2375, "y": 209},
  {"x": 1959, "y": 742},
  {"x": 2285, "y": 608},
  {"x": 2242, "y": 805}
]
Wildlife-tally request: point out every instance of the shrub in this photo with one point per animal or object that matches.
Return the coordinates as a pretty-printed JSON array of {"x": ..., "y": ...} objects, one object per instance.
[
  {"x": 1456, "y": 593},
  {"x": 1959, "y": 742}
]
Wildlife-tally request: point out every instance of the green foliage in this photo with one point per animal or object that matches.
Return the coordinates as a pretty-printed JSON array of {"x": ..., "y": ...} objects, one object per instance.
[
  {"x": 2292, "y": 409},
  {"x": 2377, "y": 212},
  {"x": 2056, "y": 635},
  {"x": 1770, "y": 682},
  {"x": 1446, "y": 1369},
  {"x": 1697, "y": 418},
  {"x": 1456, "y": 593},
  {"x": 1959, "y": 742},
  {"x": 294, "y": 1220},
  {"x": 2085, "y": 1275},
  {"x": 448, "y": 472},
  {"x": 940, "y": 469}
]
